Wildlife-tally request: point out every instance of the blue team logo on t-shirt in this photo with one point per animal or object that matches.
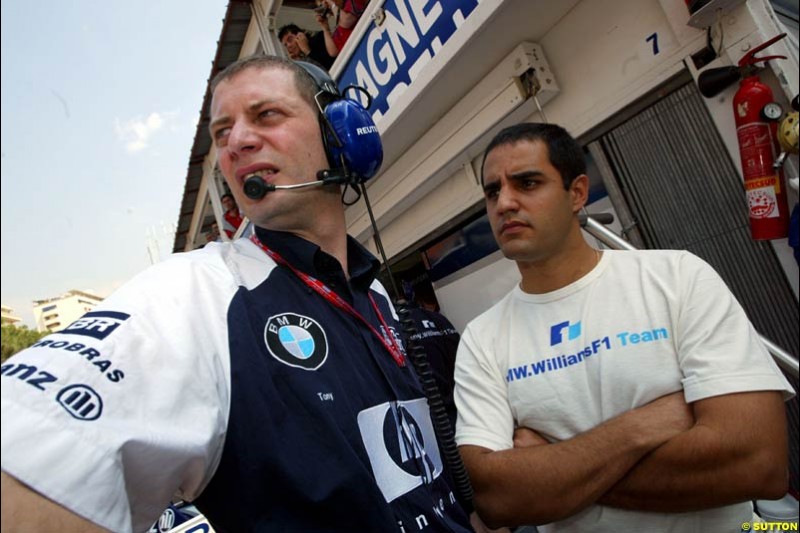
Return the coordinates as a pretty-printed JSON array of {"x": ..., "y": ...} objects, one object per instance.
[
  {"x": 296, "y": 340},
  {"x": 573, "y": 332}
]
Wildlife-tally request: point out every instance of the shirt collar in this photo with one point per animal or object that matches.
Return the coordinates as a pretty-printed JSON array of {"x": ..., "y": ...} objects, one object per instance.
[{"x": 309, "y": 258}]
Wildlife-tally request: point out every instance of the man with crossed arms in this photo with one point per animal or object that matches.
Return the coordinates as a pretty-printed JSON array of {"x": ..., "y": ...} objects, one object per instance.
[{"x": 649, "y": 402}]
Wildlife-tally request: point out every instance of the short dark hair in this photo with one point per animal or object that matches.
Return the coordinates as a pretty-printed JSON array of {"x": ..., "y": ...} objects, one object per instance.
[
  {"x": 294, "y": 29},
  {"x": 305, "y": 84},
  {"x": 564, "y": 152}
]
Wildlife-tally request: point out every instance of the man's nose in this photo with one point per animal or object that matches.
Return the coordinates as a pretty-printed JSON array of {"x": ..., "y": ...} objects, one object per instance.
[
  {"x": 506, "y": 200},
  {"x": 243, "y": 138}
]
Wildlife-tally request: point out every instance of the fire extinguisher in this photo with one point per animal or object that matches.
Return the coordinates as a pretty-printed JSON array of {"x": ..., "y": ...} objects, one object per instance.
[{"x": 758, "y": 144}]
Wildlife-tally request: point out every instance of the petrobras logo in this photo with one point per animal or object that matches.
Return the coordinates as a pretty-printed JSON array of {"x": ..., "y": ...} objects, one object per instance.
[
  {"x": 296, "y": 340},
  {"x": 97, "y": 324},
  {"x": 401, "y": 446},
  {"x": 80, "y": 401},
  {"x": 573, "y": 332}
]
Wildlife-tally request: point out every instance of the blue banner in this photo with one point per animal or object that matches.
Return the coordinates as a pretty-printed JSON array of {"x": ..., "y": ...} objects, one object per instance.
[{"x": 390, "y": 56}]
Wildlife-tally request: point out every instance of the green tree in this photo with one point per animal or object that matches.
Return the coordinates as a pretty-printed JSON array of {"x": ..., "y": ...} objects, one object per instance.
[{"x": 15, "y": 339}]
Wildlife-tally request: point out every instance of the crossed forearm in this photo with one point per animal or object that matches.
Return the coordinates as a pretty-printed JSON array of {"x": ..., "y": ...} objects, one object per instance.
[
  {"x": 542, "y": 484},
  {"x": 717, "y": 462}
]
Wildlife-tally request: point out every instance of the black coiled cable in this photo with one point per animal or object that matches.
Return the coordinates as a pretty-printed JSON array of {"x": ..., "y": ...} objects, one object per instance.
[{"x": 441, "y": 422}]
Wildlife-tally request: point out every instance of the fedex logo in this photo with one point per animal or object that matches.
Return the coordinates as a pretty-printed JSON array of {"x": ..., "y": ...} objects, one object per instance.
[
  {"x": 573, "y": 331},
  {"x": 97, "y": 324}
]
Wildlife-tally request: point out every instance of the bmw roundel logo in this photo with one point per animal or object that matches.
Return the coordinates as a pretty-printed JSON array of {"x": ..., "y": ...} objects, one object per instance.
[{"x": 296, "y": 340}]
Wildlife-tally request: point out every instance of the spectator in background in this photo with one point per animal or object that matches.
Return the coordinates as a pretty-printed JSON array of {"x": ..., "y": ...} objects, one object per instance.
[
  {"x": 213, "y": 235},
  {"x": 233, "y": 217},
  {"x": 347, "y": 13},
  {"x": 301, "y": 45}
]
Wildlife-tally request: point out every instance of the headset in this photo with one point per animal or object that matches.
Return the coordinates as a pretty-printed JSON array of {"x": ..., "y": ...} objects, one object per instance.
[{"x": 349, "y": 135}]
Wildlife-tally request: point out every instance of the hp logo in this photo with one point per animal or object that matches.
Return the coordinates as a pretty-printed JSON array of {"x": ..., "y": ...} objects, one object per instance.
[{"x": 401, "y": 445}]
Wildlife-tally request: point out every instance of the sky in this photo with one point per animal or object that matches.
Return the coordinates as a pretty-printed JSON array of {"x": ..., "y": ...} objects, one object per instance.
[{"x": 100, "y": 102}]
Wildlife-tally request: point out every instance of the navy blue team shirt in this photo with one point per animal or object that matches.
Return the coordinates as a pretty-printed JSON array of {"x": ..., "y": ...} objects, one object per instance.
[{"x": 326, "y": 431}]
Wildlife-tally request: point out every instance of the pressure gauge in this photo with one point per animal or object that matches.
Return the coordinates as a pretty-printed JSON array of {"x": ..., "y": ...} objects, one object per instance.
[{"x": 772, "y": 111}]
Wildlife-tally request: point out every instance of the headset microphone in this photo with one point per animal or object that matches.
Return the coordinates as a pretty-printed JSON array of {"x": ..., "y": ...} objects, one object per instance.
[{"x": 256, "y": 188}]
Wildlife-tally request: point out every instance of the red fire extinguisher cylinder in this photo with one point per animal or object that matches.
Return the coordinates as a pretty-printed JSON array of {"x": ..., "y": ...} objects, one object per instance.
[{"x": 758, "y": 147}]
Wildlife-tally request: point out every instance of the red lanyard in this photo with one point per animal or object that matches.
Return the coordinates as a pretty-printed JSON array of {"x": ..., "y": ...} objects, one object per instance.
[{"x": 339, "y": 302}]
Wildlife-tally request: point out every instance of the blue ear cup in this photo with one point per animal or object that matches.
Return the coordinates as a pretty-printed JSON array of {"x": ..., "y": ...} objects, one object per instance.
[
  {"x": 350, "y": 136},
  {"x": 359, "y": 145}
]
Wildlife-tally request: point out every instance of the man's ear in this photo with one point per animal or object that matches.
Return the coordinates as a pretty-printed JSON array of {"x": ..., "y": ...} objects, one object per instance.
[{"x": 579, "y": 192}]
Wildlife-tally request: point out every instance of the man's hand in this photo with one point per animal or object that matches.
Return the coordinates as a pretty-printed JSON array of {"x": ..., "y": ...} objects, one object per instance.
[
  {"x": 302, "y": 43},
  {"x": 330, "y": 46},
  {"x": 322, "y": 20}
]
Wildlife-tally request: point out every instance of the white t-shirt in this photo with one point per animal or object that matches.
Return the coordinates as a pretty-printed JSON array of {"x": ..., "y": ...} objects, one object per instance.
[{"x": 640, "y": 325}]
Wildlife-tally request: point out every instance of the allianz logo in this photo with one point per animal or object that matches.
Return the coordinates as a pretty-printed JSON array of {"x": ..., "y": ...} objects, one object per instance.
[{"x": 81, "y": 401}]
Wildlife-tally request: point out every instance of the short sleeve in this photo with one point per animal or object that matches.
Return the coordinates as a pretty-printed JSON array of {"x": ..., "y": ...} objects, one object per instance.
[
  {"x": 126, "y": 407},
  {"x": 719, "y": 350},
  {"x": 484, "y": 414}
]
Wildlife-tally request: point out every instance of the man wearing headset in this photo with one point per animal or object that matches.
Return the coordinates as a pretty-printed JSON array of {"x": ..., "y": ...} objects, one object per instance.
[{"x": 262, "y": 379}]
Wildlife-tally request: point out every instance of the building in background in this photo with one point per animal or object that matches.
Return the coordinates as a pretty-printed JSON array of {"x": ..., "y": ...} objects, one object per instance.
[
  {"x": 661, "y": 158},
  {"x": 8, "y": 316},
  {"x": 54, "y": 314}
]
